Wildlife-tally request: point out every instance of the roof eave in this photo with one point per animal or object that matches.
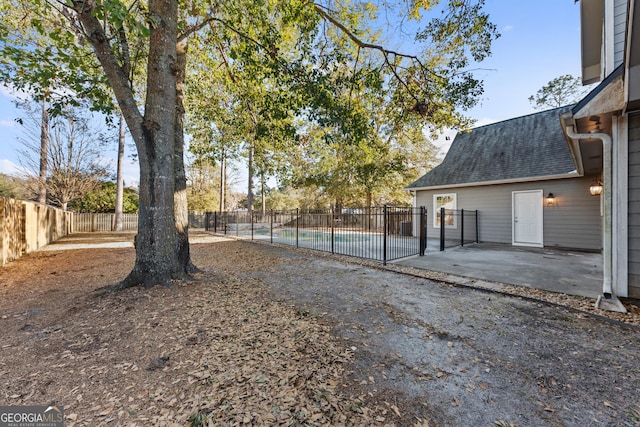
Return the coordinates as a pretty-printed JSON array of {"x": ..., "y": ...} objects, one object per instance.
[
  {"x": 607, "y": 97},
  {"x": 591, "y": 23},
  {"x": 573, "y": 174}
]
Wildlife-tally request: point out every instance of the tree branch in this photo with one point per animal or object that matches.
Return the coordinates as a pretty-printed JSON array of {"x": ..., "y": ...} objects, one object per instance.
[
  {"x": 387, "y": 54},
  {"x": 118, "y": 78}
]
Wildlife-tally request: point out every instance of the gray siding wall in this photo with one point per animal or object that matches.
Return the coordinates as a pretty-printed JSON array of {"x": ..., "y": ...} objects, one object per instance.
[
  {"x": 574, "y": 220},
  {"x": 634, "y": 205},
  {"x": 619, "y": 30}
]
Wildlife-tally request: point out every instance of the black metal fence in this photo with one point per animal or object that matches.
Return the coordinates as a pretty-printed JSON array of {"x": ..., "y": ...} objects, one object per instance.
[
  {"x": 459, "y": 227},
  {"x": 382, "y": 233}
]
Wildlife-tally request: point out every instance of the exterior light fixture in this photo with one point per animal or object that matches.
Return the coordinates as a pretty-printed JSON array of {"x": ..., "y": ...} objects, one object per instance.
[
  {"x": 550, "y": 199},
  {"x": 596, "y": 188}
]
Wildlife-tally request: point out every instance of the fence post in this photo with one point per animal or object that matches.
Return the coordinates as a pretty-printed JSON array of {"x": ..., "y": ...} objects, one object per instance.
[
  {"x": 441, "y": 229},
  {"x": 461, "y": 227},
  {"x": 206, "y": 221},
  {"x": 271, "y": 227},
  {"x": 384, "y": 234},
  {"x": 476, "y": 226},
  {"x": 297, "y": 226},
  {"x": 422, "y": 231},
  {"x": 251, "y": 217}
]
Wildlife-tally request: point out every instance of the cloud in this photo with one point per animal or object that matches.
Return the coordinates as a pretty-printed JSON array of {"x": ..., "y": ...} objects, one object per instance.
[
  {"x": 7, "y": 124},
  {"x": 507, "y": 28},
  {"x": 10, "y": 92},
  {"x": 7, "y": 167},
  {"x": 131, "y": 173}
]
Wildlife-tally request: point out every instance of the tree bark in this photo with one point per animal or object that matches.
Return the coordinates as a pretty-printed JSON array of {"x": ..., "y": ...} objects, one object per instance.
[
  {"x": 159, "y": 251},
  {"x": 180, "y": 198},
  {"x": 160, "y": 246},
  {"x": 117, "y": 217},
  {"x": 44, "y": 151}
]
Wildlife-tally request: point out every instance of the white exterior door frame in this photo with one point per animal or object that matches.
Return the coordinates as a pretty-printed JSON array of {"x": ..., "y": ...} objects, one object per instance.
[{"x": 527, "y": 218}]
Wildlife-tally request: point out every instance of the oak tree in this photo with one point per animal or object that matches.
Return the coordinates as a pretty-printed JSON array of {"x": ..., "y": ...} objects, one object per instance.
[{"x": 296, "y": 43}]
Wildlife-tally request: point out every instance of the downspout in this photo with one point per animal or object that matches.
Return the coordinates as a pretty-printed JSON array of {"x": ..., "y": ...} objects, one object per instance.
[{"x": 607, "y": 177}]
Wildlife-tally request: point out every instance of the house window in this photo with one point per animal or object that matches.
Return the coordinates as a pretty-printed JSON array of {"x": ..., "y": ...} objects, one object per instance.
[{"x": 448, "y": 202}]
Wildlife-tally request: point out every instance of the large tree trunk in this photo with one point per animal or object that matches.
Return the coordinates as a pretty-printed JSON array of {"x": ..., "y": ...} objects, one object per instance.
[
  {"x": 44, "y": 151},
  {"x": 160, "y": 247},
  {"x": 161, "y": 244},
  {"x": 180, "y": 202},
  {"x": 117, "y": 217},
  {"x": 158, "y": 250}
]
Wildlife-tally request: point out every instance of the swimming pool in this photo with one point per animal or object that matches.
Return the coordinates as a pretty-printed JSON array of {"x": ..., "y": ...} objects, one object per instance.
[{"x": 314, "y": 235}]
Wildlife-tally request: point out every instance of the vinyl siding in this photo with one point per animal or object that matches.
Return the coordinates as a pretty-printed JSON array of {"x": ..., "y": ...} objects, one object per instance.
[
  {"x": 619, "y": 30},
  {"x": 573, "y": 222},
  {"x": 634, "y": 205}
]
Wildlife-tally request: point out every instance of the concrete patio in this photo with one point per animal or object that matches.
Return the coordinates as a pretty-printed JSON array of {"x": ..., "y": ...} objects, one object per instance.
[{"x": 570, "y": 272}]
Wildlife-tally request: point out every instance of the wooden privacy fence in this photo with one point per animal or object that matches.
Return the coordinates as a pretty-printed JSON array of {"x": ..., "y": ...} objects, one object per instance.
[
  {"x": 91, "y": 222},
  {"x": 27, "y": 226},
  {"x": 96, "y": 222}
]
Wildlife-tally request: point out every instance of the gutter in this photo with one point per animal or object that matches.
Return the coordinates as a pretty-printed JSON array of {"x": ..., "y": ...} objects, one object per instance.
[{"x": 607, "y": 176}]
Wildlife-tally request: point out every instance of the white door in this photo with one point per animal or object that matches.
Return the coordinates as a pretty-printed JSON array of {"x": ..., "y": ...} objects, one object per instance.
[{"x": 527, "y": 218}]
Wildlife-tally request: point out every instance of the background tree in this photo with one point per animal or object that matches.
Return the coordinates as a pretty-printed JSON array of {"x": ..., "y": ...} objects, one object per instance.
[
  {"x": 376, "y": 148},
  {"x": 32, "y": 63},
  {"x": 11, "y": 187},
  {"x": 563, "y": 90},
  {"x": 102, "y": 200},
  {"x": 73, "y": 155},
  {"x": 203, "y": 191}
]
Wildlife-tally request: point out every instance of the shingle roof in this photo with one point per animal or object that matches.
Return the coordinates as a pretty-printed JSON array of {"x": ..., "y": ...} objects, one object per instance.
[{"x": 518, "y": 148}]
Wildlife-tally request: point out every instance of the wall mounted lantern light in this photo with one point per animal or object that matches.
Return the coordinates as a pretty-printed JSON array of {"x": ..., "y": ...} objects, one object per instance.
[
  {"x": 550, "y": 199},
  {"x": 596, "y": 188}
]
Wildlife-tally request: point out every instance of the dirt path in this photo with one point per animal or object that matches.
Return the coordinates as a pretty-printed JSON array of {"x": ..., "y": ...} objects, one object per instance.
[
  {"x": 270, "y": 335},
  {"x": 461, "y": 357}
]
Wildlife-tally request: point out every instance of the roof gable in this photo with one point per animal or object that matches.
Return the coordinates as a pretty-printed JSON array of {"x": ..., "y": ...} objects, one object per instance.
[{"x": 531, "y": 146}]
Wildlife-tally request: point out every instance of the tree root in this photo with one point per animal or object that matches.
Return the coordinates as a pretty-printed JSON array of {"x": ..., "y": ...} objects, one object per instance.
[{"x": 135, "y": 279}]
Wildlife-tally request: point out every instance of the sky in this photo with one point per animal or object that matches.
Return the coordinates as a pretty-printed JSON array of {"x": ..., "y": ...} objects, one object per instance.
[{"x": 539, "y": 42}]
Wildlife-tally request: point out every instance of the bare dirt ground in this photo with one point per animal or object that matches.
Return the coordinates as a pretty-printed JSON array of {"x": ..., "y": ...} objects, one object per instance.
[{"x": 266, "y": 335}]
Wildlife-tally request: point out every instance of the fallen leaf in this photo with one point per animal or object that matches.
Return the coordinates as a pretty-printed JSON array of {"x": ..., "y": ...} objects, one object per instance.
[{"x": 396, "y": 410}]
